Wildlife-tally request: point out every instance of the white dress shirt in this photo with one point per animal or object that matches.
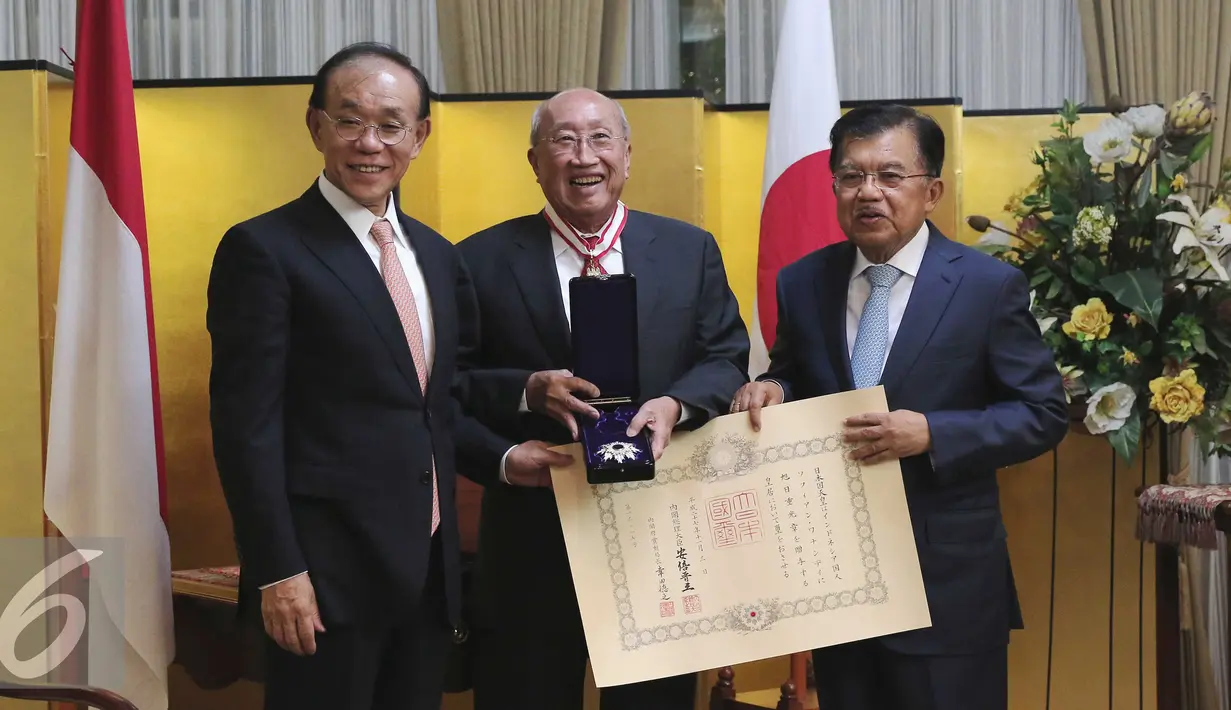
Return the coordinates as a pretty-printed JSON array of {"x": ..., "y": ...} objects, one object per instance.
[
  {"x": 568, "y": 266},
  {"x": 360, "y": 220},
  {"x": 908, "y": 260}
]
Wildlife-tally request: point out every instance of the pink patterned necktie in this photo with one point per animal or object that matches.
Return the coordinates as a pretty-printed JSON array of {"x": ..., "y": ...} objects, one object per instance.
[{"x": 404, "y": 301}]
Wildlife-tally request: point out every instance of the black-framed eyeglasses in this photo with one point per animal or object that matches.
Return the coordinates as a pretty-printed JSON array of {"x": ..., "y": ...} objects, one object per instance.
[
  {"x": 884, "y": 179},
  {"x": 567, "y": 143},
  {"x": 352, "y": 129}
]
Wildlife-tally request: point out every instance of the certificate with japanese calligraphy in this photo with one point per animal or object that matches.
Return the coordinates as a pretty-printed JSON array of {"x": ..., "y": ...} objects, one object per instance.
[{"x": 746, "y": 545}]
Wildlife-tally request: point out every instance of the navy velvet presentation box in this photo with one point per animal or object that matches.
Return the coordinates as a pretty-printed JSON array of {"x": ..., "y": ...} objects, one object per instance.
[{"x": 604, "y": 325}]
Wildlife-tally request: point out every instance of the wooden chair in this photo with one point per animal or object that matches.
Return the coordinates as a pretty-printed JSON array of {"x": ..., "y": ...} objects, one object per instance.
[
  {"x": 722, "y": 696},
  {"x": 81, "y": 695}
]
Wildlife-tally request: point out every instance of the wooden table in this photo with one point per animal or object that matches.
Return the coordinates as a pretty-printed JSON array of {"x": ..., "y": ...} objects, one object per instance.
[{"x": 210, "y": 643}]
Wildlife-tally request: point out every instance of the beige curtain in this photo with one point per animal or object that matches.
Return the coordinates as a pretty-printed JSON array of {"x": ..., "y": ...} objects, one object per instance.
[
  {"x": 531, "y": 45},
  {"x": 1159, "y": 50}
]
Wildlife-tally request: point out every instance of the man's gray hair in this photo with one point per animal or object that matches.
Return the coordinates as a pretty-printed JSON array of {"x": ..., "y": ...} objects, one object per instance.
[{"x": 537, "y": 119}]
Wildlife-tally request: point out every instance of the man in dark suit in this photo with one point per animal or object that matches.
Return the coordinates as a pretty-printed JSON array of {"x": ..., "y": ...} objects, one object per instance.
[
  {"x": 693, "y": 357},
  {"x": 335, "y": 323},
  {"x": 971, "y": 388}
]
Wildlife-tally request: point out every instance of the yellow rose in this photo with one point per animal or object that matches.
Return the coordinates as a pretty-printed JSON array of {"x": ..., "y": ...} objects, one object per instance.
[
  {"x": 1129, "y": 357},
  {"x": 1179, "y": 182},
  {"x": 1132, "y": 319},
  {"x": 1177, "y": 399},
  {"x": 1090, "y": 321}
]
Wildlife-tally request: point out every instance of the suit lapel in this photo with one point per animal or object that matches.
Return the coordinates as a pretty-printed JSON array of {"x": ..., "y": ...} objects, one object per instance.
[
  {"x": 929, "y": 297},
  {"x": 534, "y": 269},
  {"x": 639, "y": 260},
  {"x": 832, "y": 288},
  {"x": 327, "y": 235}
]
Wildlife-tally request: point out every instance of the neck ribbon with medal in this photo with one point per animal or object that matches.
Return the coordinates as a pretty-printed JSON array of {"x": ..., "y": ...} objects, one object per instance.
[{"x": 587, "y": 247}]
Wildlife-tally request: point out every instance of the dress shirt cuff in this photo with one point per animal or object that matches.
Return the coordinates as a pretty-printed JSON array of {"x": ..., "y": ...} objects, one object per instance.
[
  {"x": 686, "y": 412},
  {"x": 280, "y": 581},
  {"x": 503, "y": 478},
  {"x": 523, "y": 408},
  {"x": 778, "y": 384}
]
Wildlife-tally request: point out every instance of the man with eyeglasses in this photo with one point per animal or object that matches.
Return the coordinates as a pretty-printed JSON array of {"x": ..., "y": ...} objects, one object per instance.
[
  {"x": 694, "y": 356},
  {"x": 971, "y": 388},
  {"x": 335, "y": 323}
]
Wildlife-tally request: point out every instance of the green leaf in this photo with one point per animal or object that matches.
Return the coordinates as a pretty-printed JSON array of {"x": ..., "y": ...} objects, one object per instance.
[
  {"x": 1140, "y": 291},
  {"x": 1124, "y": 440},
  {"x": 1085, "y": 271},
  {"x": 1202, "y": 147},
  {"x": 1199, "y": 344},
  {"x": 1170, "y": 163},
  {"x": 1062, "y": 205},
  {"x": 1040, "y": 278},
  {"x": 1221, "y": 335},
  {"x": 993, "y": 249},
  {"x": 1144, "y": 185},
  {"x": 1054, "y": 289}
]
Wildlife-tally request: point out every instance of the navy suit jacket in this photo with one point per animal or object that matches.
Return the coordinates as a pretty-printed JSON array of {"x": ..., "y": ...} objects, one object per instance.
[{"x": 969, "y": 356}]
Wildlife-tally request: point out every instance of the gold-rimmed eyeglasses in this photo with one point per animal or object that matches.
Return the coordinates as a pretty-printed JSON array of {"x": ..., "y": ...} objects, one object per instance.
[
  {"x": 884, "y": 179},
  {"x": 567, "y": 143},
  {"x": 352, "y": 129}
]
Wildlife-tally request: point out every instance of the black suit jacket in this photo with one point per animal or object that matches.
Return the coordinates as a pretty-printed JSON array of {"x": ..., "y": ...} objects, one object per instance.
[
  {"x": 693, "y": 347},
  {"x": 323, "y": 439},
  {"x": 969, "y": 356}
]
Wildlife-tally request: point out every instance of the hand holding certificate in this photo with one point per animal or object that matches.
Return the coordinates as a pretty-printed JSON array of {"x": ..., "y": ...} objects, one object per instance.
[{"x": 745, "y": 545}]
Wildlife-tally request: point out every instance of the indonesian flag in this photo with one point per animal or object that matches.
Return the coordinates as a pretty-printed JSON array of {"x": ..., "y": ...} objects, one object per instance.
[
  {"x": 104, "y": 475},
  {"x": 798, "y": 208}
]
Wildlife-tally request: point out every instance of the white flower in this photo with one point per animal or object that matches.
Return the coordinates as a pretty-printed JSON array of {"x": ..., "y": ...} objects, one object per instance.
[
  {"x": 1109, "y": 408},
  {"x": 1147, "y": 121},
  {"x": 1046, "y": 322},
  {"x": 1111, "y": 142},
  {"x": 1094, "y": 226},
  {"x": 1073, "y": 386},
  {"x": 1200, "y": 238}
]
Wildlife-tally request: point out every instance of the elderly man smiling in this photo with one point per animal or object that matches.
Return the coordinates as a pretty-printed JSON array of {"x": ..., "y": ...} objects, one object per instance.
[{"x": 694, "y": 356}]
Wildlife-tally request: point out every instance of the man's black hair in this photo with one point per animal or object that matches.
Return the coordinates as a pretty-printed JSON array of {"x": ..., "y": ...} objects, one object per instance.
[
  {"x": 875, "y": 119},
  {"x": 360, "y": 50}
]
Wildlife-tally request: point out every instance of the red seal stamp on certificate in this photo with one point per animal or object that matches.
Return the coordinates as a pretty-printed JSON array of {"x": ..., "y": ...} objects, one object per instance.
[{"x": 735, "y": 519}]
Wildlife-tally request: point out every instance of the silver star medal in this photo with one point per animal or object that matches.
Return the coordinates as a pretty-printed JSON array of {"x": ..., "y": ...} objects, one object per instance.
[{"x": 618, "y": 451}]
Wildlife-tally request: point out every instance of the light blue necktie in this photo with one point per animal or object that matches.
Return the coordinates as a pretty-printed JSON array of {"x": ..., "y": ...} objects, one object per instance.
[{"x": 868, "y": 358}]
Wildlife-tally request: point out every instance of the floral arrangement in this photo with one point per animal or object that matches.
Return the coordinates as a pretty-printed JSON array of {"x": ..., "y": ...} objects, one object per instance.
[{"x": 1128, "y": 263}]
